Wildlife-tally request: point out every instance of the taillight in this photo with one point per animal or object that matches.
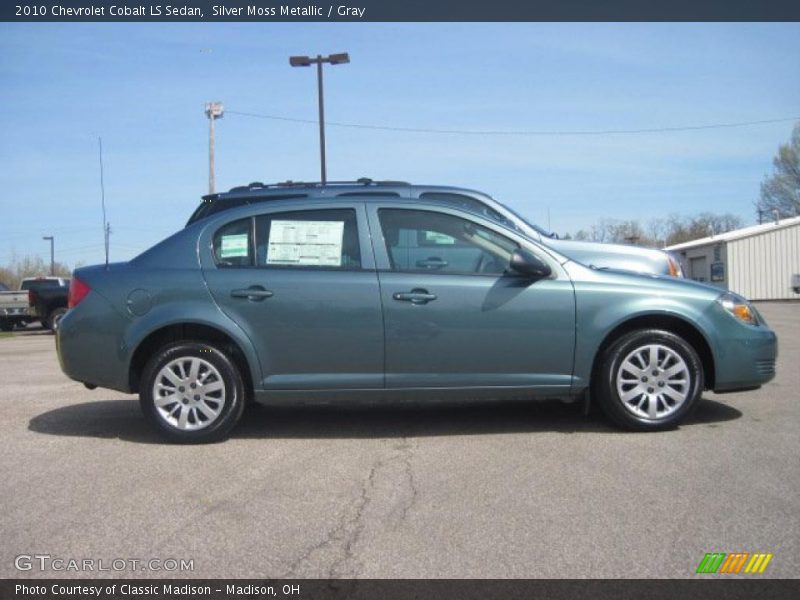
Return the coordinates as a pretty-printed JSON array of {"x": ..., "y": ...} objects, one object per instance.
[
  {"x": 77, "y": 292},
  {"x": 31, "y": 298}
]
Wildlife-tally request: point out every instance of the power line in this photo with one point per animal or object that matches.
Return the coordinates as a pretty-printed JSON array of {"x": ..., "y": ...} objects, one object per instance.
[{"x": 531, "y": 132}]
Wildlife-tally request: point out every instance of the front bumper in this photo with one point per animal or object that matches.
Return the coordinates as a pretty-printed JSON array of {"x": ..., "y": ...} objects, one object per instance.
[{"x": 745, "y": 358}]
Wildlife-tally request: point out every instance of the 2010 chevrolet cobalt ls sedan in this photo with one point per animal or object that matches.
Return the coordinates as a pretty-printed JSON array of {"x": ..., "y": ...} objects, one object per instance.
[{"x": 381, "y": 298}]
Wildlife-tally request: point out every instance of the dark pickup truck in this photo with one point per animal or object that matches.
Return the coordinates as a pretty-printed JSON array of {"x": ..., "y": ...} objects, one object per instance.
[{"x": 47, "y": 299}]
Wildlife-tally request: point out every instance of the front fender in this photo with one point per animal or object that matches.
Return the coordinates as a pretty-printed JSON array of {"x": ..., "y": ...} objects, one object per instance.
[{"x": 602, "y": 308}]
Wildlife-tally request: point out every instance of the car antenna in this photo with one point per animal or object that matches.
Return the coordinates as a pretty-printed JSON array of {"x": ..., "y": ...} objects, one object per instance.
[{"x": 106, "y": 224}]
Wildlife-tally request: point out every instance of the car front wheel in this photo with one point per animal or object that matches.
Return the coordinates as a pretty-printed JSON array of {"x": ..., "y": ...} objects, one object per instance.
[
  {"x": 649, "y": 380},
  {"x": 192, "y": 392}
]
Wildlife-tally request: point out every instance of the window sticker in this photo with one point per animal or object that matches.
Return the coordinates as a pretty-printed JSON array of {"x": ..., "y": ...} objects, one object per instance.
[
  {"x": 306, "y": 243},
  {"x": 234, "y": 245},
  {"x": 439, "y": 238}
]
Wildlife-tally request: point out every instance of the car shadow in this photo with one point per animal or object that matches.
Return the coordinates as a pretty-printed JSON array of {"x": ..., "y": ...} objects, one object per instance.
[{"x": 122, "y": 419}]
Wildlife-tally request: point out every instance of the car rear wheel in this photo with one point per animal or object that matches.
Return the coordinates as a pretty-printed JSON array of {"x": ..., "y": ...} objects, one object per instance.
[
  {"x": 192, "y": 392},
  {"x": 649, "y": 380}
]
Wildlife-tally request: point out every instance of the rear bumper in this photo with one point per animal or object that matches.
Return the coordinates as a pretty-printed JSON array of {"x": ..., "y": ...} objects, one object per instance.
[{"x": 89, "y": 345}]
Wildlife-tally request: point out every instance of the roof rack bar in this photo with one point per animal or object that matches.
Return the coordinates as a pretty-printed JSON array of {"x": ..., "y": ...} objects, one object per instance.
[{"x": 366, "y": 181}]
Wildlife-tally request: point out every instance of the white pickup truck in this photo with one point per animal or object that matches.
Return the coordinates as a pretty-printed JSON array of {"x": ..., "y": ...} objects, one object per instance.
[
  {"x": 13, "y": 308},
  {"x": 14, "y": 305}
]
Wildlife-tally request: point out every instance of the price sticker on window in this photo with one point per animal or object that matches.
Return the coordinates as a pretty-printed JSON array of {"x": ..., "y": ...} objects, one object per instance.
[
  {"x": 234, "y": 245},
  {"x": 306, "y": 243}
]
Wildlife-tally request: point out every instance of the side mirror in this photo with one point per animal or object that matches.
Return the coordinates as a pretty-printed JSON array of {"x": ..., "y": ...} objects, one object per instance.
[{"x": 529, "y": 265}]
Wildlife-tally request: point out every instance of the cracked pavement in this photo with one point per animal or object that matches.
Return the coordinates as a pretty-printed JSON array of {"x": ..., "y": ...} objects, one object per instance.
[{"x": 473, "y": 490}]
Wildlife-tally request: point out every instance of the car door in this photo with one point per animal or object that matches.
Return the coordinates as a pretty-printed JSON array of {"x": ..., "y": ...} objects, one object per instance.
[
  {"x": 455, "y": 316},
  {"x": 302, "y": 285}
]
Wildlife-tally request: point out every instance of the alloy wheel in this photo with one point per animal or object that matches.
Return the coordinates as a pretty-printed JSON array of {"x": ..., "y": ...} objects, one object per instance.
[
  {"x": 189, "y": 393},
  {"x": 653, "y": 381}
]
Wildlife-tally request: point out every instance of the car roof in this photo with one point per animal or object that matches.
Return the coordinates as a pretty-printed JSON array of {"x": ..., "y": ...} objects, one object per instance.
[
  {"x": 363, "y": 188},
  {"x": 364, "y": 185}
]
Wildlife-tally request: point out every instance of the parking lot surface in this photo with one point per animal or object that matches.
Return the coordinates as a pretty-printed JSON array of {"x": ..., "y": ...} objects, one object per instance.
[{"x": 488, "y": 490}]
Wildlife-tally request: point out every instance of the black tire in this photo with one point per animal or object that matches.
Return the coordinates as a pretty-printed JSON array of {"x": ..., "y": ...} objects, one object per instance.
[
  {"x": 54, "y": 318},
  {"x": 6, "y": 325},
  {"x": 605, "y": 384},
  {"x": 233, "y": 394}
]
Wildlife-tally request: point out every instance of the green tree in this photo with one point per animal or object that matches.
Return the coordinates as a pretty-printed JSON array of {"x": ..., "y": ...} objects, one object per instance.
[{"x": 780, "y": 192}]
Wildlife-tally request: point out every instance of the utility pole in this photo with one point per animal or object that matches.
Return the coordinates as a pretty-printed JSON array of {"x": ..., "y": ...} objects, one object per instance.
[
  {"x": 52, "y": 253},
  {"x": 214, "y": 111},
  {"x": 106, "y": 225},
  {"x": 307, "y": 61},
  {"x": 107, "y": 236}
]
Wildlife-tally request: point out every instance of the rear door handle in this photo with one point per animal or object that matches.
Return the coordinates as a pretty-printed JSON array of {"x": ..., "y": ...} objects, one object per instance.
[
  {"x": 415, "y": 296},
  {"x": 254, "y": 292}
]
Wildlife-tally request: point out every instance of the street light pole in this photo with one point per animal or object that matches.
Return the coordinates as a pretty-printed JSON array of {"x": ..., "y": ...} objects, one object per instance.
[
  {"x": 214, "y": 111},
  {"x": 52, "y": 253},
  {"x": 321, "y": 103},
  {"x": 306, "y": 61}
]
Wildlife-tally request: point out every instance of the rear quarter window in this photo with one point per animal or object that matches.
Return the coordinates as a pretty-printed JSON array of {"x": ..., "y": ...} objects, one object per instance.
[{"x": 233, "y": 244}]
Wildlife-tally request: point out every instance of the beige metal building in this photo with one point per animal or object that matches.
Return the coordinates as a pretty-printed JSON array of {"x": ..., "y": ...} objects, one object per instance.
[{"x": 757, "y": 262}]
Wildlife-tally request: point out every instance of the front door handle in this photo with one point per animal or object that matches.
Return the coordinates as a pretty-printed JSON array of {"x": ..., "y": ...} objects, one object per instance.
[
  {"x": 415, "y": 296},
  {"x": 254, "y": 292}
]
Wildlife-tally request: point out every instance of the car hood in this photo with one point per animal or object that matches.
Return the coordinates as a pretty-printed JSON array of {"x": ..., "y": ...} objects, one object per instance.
[
  {"x": 629, "y": 280},
  {"x": 613, "y": 256}
]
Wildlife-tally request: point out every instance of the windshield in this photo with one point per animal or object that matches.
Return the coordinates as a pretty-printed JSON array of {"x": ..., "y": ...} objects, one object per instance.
[
  {"x": 524, "y": 220},
  {"x": 482, "y": 207}
]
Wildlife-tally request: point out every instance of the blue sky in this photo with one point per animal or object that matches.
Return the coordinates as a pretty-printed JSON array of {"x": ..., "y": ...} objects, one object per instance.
[{"x": 142, "y": 87}]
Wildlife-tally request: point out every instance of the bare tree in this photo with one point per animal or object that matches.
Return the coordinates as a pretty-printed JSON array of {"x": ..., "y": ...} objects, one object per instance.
[
  {"x": 658, "y": 233},
  {"x": 780, "y": 192},
  {"x": 7, "y": 277},
  {"x": 29, "y": 266}
]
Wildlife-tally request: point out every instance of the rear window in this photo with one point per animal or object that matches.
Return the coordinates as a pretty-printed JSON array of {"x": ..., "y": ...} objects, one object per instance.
[{"x": 33, "y": 284}]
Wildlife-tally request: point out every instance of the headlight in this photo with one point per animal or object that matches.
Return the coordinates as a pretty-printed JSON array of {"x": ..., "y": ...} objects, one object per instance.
[{"x": 739, "y": 308}]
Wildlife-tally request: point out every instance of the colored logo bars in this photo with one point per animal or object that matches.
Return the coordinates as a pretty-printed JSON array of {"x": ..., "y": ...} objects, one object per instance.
[{"x": 720, "y": 562}]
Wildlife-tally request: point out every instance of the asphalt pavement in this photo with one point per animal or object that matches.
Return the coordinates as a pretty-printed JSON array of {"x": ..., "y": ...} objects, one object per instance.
[{"x": 479, "y": 490}]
